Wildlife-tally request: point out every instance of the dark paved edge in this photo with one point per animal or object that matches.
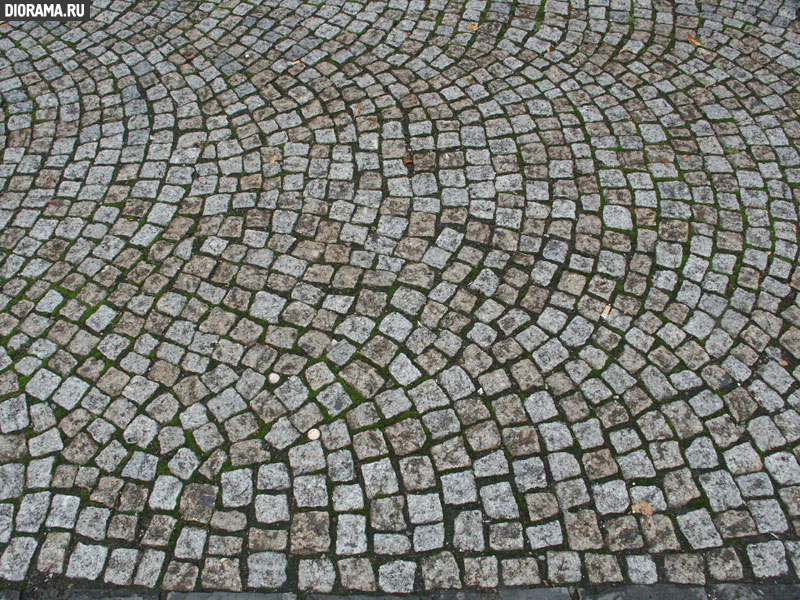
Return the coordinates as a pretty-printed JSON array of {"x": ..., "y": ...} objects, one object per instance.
[
  {"x": 651, "y": 592},
  {"x": 711, "y": 592},
  {"x": 754, "y": 592}
]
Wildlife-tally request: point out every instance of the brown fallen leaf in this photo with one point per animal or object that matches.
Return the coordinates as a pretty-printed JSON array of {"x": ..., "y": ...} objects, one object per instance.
[
  {"x": 643, "y": 508},
  {"x": 783, "y": 363},
  {"x": 472, "y": 27},
  {"x": 407, "y": 160},
  {"x": 358, "y": 110},
  {"x": 606, "y": 310},
  {"x": 274, "y": 158},
  {"x": 693, "y": 40},
  {"x": 296, "y": 62},
  {"x": 665, "y": 161},
  {"x": 685, "y": 158}
]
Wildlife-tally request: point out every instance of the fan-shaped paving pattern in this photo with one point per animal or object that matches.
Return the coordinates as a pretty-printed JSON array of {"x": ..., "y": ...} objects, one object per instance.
[{"x": 529, "y": 268}]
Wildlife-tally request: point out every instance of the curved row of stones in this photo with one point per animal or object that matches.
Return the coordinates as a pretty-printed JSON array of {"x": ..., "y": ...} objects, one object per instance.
[{"x": 529, "y": 268}]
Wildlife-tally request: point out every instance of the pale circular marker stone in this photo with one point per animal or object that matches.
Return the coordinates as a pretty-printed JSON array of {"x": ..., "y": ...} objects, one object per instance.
[
  {"x": 313, "y": 434},
  {"x": 274, "y": 378}
]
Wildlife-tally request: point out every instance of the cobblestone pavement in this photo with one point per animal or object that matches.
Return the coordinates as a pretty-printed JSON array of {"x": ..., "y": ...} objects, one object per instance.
[{"x": 529, "y": 269}]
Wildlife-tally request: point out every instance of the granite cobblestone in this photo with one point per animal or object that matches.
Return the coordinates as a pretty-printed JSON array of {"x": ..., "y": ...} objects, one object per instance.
[{"x": 401, "y": 297}]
